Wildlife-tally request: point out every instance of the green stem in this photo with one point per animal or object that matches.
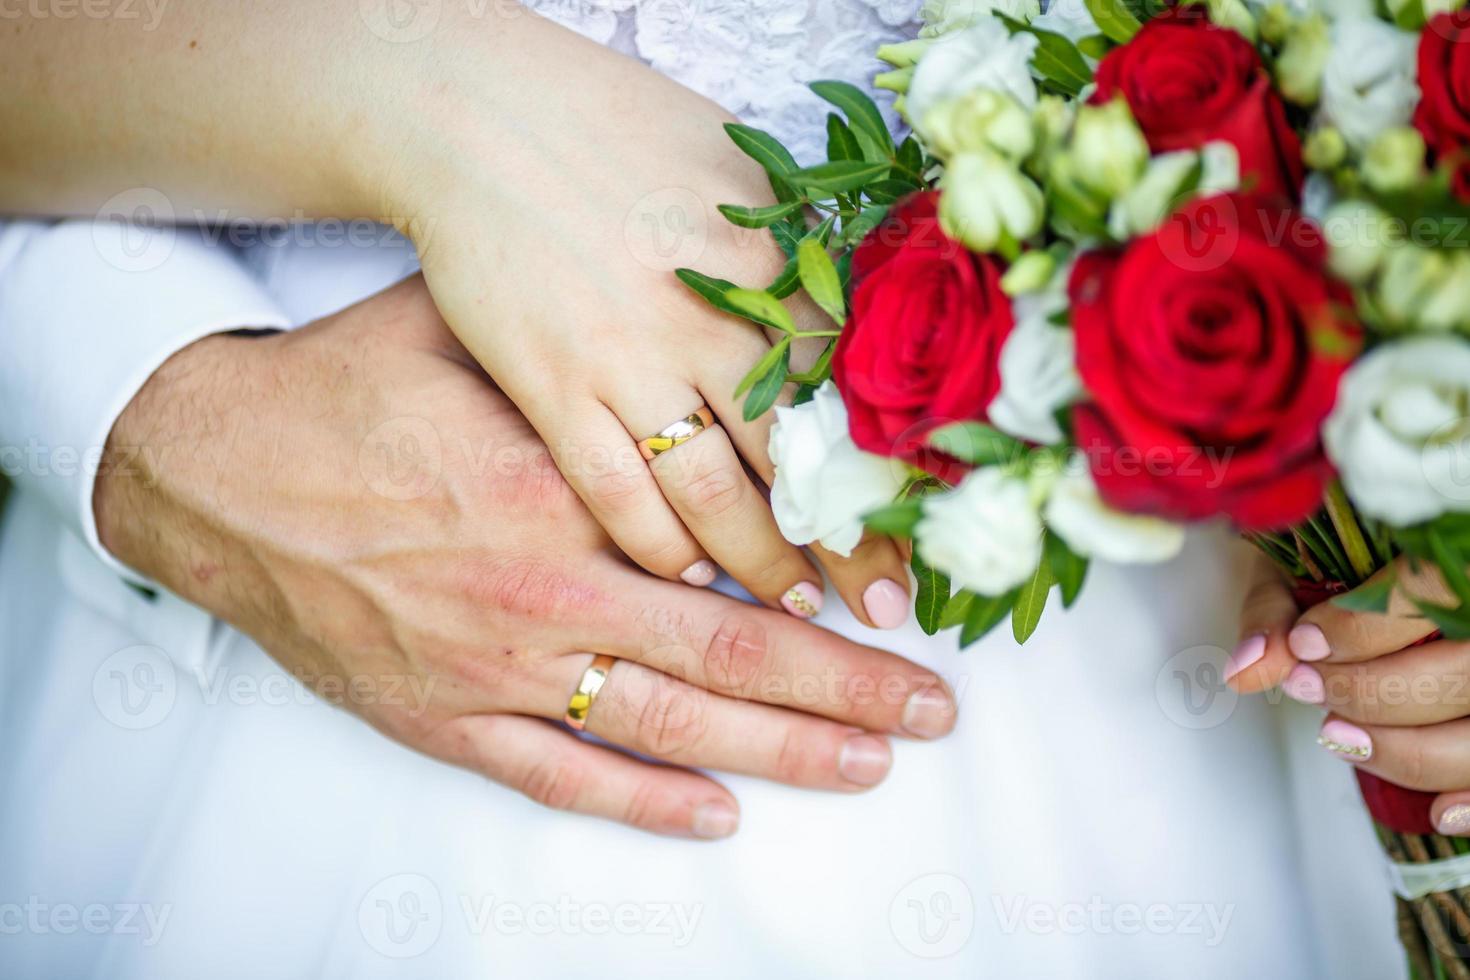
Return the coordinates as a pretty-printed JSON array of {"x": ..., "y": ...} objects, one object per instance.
[{"x": 1348, "y": 531}]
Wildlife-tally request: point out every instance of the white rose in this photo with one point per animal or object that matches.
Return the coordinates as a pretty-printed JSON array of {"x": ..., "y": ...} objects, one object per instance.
[
  {"x": 1038, "y": 371},
  {"x": 1359, "y": 239},
  {"x": 984, "y": 56},
  {"x": 987, "y": 197},
  {"x": 1091, "y": 528},
  {"x": 824, "y": 483},
  {"x": 1370, "y": 82},
  {"x": 946, "y": 16},
  {"x": 985, "y": 535},
  {"x": 1069, "y": 18},
  {"x": 1331, "y": 9},
  {"x": 1399, "y": 434}
]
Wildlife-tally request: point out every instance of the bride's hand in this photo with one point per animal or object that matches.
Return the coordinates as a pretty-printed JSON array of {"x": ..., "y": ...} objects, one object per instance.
[
  {"x": 360, "y": 499},
  {"x": 543, "y": 251},
  {"x": 1399, "y": 710}
]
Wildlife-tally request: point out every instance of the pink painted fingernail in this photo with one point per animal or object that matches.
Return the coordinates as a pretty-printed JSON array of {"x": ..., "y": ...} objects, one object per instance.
[
  {"x": 864, "y": 760},
  {"x": 887, "y": 604},
  {"x": 1346, "y": 741},
  {"x": 803, "y": 600},
  {"x": 1250, "y": 649},
  {"x": 714, "y": 820},
  {"x": 1308, "y": 643},
  {"x": 1455, "y": 820},
  {"x": 1304, "y": 684},
  {"x": 929, "y": 713},
  {"x": 701, "y": 573}
]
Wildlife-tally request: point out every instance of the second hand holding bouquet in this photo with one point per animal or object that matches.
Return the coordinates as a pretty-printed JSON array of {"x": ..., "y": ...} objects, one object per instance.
[{"x": 1141, "y": 265}]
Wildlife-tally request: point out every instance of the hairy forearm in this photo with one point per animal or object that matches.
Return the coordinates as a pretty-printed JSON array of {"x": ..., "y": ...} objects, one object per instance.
[{"x": 252, "y": 108}]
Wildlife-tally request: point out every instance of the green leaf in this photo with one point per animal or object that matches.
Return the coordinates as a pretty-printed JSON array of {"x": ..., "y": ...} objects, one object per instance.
[
  {"x": 819, "y": 277},
  {"x": 856, "y": 229},
  {"x": 1370, "y": 597},
  {"x": 896, "y": 520},
  {"x": 977, "y": 443},
  {"x": 984, "y": 615},
  {"x": 841, "y": 144},
  {"x": 1030, "y": 602},
  {"x": 787, "y": 237},
  {"x": 1453, "y": 623},
  {"x": 763, "y": 367},
  {"x": 712, "y": 290},
  {"x": 1451, "y": 565},
  {"x": 931, "y": 597},
  {"x": 763, "y": 148},
  {"x": 1095, "y": 46},
  {"x": 911, "y": 158},
  {"x": 1067, "y": 567},
  {"x": 762, "y": 307},
  {"x": 757, "y": 217},
  {"x": 889, "y": 191},
  {"x": 790, "y": 276},
  {"x": 844, "y": 175},
  {"x": 862, "y": 114},
  {"x": 765, "y": 391},
  {"x": 1057, "y": 59},
  {"x": 957, "y": 609},
  {"x": 1114, "y": 19}
]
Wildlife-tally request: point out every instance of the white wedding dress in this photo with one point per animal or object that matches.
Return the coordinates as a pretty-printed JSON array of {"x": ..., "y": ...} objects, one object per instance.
[{"x": 174, "y": 807}]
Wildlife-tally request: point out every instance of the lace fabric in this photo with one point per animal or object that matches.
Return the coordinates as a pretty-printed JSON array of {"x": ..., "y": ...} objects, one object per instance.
[{"x": 754, "y": 57}]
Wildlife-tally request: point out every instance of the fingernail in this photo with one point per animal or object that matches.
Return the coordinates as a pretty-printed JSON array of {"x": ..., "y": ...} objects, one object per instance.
[
  {"x": 864, "y": 760},
  {"x": 929, "y": 713},
  {"x": 714, "y": 820},
  {"x": 1308, "y": 643},
  {"x": 701, "y": 573},
  {"x": 1346, "y": 741},
  {"x": 1251, "y": 649},
  {"x": 803, "y": 600},
  {"x": 887, "y": 604},
  {"x": 1304, "y": 684},
  {"x": 1455, "y": 820}
]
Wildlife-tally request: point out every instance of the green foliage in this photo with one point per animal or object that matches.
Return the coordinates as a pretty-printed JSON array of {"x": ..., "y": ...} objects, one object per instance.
[{"x": 931, "y": 597}]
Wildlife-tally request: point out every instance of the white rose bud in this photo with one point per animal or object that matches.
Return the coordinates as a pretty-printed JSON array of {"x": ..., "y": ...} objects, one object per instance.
[
  {"x": 905, "y": 54},
  {"x": 1447, "y": 306},
  {"x": 1092, "y": 529},
  {"x": 824, "y": 483},
  {"x": 985, "y": 535},
  {"x": 1166, "y": 185},
  {"x": 986, "y": 55},
  {"x": 986, "y": 199},
  {"x": 1325, "y": 149},
  {"x": 1359, "y": 237},
  {"x": 1038, "y": 371},
  {"x": 1399, "y": 434},
  {"x": 1411, "y": 275},
  {"x": 1108, "y": 150},
  {"x": 1370, "y": 80},
  {"x": 947, "y": 16},
  {"x": 1395, "y": 159},
  {"x": 1028, "y": 273},
  {"x": 1235, "y": 15},
  {"x": 982, "y": 119},
  {"x": 1303, "y": 59}
]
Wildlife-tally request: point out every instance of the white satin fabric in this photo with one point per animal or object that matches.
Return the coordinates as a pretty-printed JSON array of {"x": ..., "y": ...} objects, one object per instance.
[{"x": 174, "y": 806}]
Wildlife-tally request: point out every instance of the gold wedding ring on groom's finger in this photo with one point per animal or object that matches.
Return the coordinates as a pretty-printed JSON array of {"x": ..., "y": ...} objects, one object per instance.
[
  {"x": 676, "y": 434},
  {"x": 587, "y": 690}
]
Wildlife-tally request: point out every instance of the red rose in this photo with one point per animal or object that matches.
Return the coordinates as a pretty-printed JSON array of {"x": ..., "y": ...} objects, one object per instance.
[
  {"x": 1443, "y": 115},
  {"x": 922, "y": 345},
  {"x": 1212, "y": 351},
  {"x": 1189, "y": 82}
]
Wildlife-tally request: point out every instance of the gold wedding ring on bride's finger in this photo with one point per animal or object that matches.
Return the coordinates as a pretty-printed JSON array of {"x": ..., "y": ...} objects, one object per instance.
[
  {"x": 587, "y": 690},
  {"x": 676, "y": 434}
]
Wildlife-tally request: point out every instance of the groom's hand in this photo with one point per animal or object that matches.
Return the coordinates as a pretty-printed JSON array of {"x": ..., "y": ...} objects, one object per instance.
[{"x": 361, "y": 500}]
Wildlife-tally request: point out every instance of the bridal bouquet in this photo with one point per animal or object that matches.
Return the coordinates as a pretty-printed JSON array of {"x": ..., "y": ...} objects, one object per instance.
[{"x": 1140, "y": 264}]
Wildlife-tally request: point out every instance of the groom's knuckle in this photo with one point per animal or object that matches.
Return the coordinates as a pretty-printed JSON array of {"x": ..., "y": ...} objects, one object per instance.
[
  {"x": 736, "y": 653},
  {"x": 529, "y": 587},
  {"x": 671, "y": 720},
  {"x": 554, "y": 782}
]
